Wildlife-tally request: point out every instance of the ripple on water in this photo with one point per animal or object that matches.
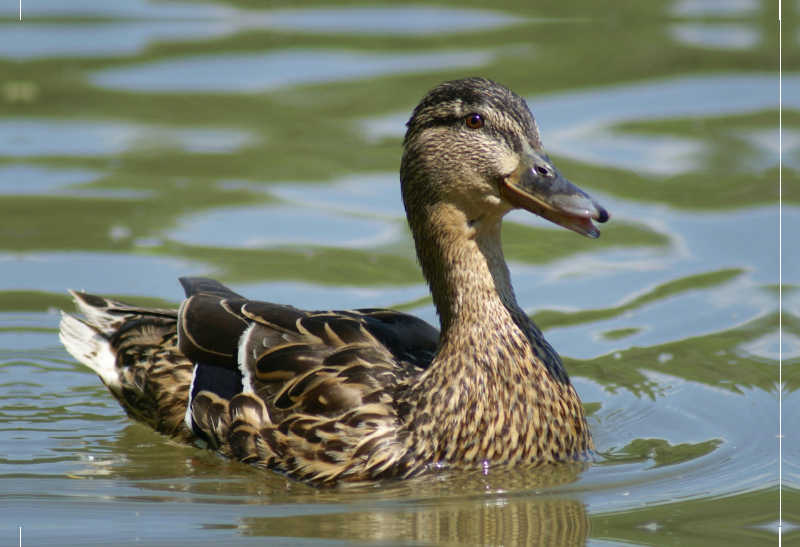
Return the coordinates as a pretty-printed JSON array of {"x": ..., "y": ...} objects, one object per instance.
[
  {"x": 98, "y": 273},
  {"x": 259, "y": 72},
  {"x": 270, "y": 226},
  {"x": 373, "y": 193},
  {"x": 715, "y": 8},
  {"x": 28, "y": 138},
  {"x": 696, "y": 304},
  {"x": 728, "y": 36},
  {"x": 29, "y": 179},
  {"x": 102, "y": 39},
  {"x": 674, "y": 444},
  {"x": 150, "y": 23}
]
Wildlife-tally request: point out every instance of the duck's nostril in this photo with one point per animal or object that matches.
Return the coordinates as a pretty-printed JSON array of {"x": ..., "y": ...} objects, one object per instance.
[{"x": 542, "y": 170}]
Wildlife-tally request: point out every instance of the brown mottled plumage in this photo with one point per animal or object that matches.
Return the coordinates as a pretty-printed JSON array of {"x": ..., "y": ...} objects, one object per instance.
[{"x": 368, "y": 395}]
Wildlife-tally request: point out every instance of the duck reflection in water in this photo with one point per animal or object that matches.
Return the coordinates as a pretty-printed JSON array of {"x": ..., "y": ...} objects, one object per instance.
[{"x": 509, "y": 508}]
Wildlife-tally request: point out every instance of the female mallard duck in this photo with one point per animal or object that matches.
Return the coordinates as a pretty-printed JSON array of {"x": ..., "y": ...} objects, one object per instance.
[{"x": 368, "y": 395}]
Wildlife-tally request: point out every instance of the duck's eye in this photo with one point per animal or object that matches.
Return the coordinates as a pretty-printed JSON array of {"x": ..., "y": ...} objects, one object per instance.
[{"x": 474, "y": 121}]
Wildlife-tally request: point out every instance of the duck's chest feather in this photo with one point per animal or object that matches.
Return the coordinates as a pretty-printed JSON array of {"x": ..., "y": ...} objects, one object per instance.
[{"x": 498, "y": 399}]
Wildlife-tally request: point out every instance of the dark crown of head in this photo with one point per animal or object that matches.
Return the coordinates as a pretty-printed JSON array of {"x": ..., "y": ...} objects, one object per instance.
[{"x": 472, "y": 94}]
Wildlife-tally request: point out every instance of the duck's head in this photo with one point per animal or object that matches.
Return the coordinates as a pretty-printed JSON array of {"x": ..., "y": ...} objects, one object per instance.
[{"x": 474, "y": 144}]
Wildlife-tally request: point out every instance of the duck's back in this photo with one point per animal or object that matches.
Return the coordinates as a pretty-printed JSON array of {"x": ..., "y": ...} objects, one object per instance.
[
  {"x": 322, "y": 363},
  {"x": 224, "y": 368}
]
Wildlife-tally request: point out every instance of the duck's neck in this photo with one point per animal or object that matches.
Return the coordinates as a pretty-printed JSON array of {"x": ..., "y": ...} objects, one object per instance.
[
  {"x": 496, "y": 391},
  {"x": 462, "y": 259}
]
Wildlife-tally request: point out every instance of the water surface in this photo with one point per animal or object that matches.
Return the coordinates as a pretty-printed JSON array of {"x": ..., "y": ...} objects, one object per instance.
[{"x": 141, "y": 141}]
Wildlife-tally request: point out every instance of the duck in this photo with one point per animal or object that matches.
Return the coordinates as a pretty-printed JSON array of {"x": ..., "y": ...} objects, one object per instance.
[{"x": 363, "y": 396}]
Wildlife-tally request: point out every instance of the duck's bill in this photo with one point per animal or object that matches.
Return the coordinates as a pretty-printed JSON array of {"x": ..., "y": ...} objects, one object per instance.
[{"x": 538, "y": 187}]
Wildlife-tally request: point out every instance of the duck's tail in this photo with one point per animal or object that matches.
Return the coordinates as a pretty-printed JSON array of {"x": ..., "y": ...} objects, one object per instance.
[{"x": 135, "y": 353}]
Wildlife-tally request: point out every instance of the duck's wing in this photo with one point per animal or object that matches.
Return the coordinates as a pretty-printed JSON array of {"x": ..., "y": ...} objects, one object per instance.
[{"x": 297, "y": 362}]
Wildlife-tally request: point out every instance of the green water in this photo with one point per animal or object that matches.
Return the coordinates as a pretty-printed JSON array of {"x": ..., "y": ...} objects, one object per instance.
[{"x": 259, "y": 143}]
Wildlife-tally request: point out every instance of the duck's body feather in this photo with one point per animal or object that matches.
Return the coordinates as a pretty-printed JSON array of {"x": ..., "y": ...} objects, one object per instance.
[
  {"x": 365, "y": 395},
  {"x": 258, "y": 381}
]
